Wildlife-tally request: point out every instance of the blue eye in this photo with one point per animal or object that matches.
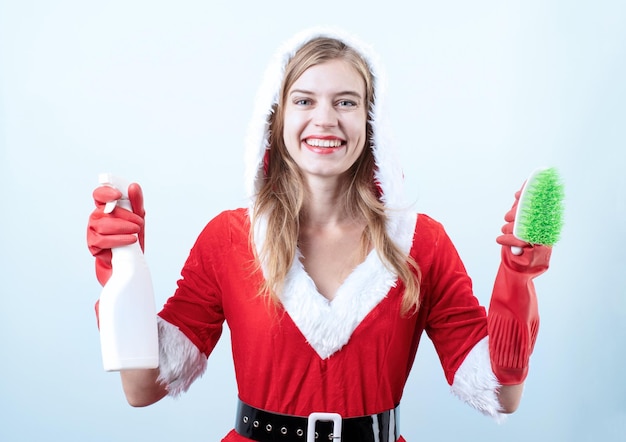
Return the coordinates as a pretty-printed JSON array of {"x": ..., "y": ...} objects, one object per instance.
[{"x": 302, "y": 102}]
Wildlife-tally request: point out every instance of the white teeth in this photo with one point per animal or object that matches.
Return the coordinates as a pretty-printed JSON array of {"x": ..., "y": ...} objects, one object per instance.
[{"x": 323, "y": 143}]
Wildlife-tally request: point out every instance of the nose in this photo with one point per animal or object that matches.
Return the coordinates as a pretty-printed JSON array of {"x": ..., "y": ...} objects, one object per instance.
[{"x": 325, "y": 115}]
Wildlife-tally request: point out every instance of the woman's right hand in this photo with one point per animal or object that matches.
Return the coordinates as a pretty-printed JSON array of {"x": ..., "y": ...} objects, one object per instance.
[{"x": 119, "y": 228}]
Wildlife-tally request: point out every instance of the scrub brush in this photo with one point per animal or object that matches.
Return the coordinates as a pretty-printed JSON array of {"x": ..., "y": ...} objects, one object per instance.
[{"x": 539, "y": 216}]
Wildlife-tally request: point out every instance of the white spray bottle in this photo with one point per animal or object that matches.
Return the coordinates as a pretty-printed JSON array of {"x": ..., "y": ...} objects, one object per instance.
[{"x": 127, "y": 310}]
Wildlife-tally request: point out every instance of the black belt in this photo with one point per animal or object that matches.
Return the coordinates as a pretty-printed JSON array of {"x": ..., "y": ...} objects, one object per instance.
[{"x": 264, "y": 426}]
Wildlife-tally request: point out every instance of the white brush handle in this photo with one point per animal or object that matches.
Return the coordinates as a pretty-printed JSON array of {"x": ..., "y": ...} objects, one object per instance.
[{"x": 520, "y": 204}]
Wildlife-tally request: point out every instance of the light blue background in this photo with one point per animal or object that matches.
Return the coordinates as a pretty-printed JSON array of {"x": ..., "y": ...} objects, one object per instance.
[{"x": 481, "y": 93}]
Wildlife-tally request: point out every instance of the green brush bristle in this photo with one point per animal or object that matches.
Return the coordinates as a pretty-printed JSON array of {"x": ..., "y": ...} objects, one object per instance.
[{"x": 540, "y": 218}]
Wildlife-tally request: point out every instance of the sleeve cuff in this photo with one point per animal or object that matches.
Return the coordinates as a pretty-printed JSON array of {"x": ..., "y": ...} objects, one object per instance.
[
  {"x": 180, "y": 361},
  {"x": 476, "y": 384}
]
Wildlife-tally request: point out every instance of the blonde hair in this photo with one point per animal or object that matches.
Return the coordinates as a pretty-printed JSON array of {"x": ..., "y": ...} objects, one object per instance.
[{"x": 281, "y": 197}]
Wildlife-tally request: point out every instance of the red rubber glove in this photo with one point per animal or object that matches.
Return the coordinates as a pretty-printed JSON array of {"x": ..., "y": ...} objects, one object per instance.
[
  {"x": 121, "y": 227},
  {"x": 513, "y": 320}
]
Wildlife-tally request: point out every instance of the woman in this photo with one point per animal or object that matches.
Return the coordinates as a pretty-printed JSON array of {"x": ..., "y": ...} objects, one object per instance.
[{"x": 327, "y": 280}]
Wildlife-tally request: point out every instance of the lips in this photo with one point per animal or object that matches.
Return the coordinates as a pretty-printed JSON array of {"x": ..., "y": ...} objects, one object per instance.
[
  {"x": 318, "y": 142},
  {"x": 323, "y": 144}
]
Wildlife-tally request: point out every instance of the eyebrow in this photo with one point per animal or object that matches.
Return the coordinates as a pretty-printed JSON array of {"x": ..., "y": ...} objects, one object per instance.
[{"x": 305, "y": 92}]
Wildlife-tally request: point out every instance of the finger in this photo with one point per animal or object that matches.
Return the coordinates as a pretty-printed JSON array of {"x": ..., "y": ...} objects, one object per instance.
[
  {"x": 118, "y": 214},
  {"x": 135, "y": 195},
  {"x": 105, "y": 194},
  {"x": 110, "y": 225},
  {"x": 507, "y": 228},
  {"x": 118, "y": 221},
  {"x": 511, "y": 241},
  {"x": 510, "y": 215},
  {"x": 97, "y": 242}
]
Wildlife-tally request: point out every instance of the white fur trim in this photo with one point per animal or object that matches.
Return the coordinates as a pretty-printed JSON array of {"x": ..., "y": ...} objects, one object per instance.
[
  {"x": 328, "y": 325},
  {"x": 180, "y": 361},
  {"x": 476, "y": 384}
]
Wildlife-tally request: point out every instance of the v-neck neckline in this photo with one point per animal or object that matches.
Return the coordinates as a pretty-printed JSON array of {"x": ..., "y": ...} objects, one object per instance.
[
  {"x": 355, "y": 270},
  {"x": 328, "y": 324}
]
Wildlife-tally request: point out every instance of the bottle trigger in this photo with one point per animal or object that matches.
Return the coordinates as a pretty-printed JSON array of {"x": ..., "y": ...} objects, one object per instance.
[{"x": 108, "y": 208}]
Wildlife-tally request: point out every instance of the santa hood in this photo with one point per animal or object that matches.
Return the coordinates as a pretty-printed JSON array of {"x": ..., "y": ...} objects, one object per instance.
[{"x": 388, "y": 175}]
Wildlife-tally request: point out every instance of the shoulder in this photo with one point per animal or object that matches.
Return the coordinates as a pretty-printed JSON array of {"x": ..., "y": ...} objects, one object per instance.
[
  {"x": 431, "y": 243},
  {"x": 237, "y": 216},
  {"x": 226, "y": 226},
  {"x": 428, "y": 229},
  {"x": 231, "y": 217}
]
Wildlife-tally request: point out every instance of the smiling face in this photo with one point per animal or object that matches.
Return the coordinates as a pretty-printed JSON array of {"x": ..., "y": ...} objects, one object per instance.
[{"x": 325, "y": 116}]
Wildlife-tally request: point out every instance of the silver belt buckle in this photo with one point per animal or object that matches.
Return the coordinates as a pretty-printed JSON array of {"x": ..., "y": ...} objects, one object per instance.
[{"x": 335, "y": 418}]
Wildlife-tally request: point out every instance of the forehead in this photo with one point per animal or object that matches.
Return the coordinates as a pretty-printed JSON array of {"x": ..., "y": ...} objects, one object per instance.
[{"x": 334, "y": 76}]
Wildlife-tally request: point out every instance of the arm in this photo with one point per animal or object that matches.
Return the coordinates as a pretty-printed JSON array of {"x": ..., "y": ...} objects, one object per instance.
[
  {"x": 491, "y": 377},
  {"x": 509, "y": 397},
  {"x": 142, "y": 387}
]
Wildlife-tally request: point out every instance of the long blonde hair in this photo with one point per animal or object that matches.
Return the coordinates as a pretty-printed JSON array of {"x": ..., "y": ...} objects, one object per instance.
[{"x": 281, "y": 197}]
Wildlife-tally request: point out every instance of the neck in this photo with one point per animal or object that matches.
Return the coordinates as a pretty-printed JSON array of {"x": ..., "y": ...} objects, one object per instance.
[{"x": 325, "y": 204}]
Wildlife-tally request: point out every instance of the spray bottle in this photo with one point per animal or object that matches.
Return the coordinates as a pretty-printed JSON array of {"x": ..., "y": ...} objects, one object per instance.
[{"x": 127, "y": 311}]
